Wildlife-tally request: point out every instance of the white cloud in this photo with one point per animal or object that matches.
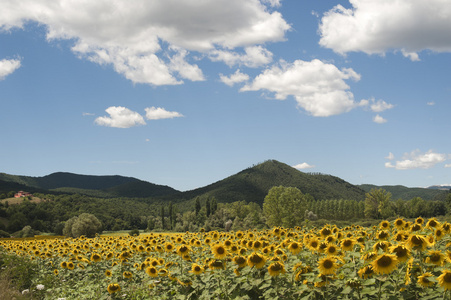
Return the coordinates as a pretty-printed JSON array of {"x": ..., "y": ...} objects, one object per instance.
[
  {"x": 120, "y": 117},
  {"x": 389, "y": 165},
  {"x": 253, "y": 57},
  {"x": 380, "y": 105},
  {"x": 137, "y": 37},
  {"x": 87, "y": 114},
  {"x": 375, "y": 27},
  {"x": 318, "y": 87},
  {"x": 157, "y": 113},
  {"x": 418, "y": 160},
  {"x": 432, "y": 103},
  {"x": 378, "y": 119},
  {"x": 302, "y": 166},
  {"x": 448, "y": 166},
  {"x": 8, "y": 66},
  {"x": 236, "y": 77},
  {"x": 390, "y": 156}
]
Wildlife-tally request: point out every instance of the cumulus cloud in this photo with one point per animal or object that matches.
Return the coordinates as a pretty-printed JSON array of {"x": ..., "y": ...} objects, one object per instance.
[
  {"x": 8, "y": 66},
  {"x": 302, "y": 166},
  {"x": 380, "y": 105},
  {"x": 375, "y": 27},
  {"x": 236, "y": 77},
  {"x": 390, "y": 156},
  {"x": 432, "y": 103},
  {"x": 253, "y": 57},
  {"x": 120, "y": 117},
  {"x": 157, "y": 113},
  {"x": 318, "y": 87},
  {"x": 378, "y": 119},
  {"x": 418, "y": 160},
  {"x": 448, "y": 166},
  {"x": 138, "y": 38}
]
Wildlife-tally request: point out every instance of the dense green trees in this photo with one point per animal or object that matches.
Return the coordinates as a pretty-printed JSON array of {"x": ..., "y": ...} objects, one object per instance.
[
  {"x": 284, "y": 206},
  {"x": 85, "y": 224}
]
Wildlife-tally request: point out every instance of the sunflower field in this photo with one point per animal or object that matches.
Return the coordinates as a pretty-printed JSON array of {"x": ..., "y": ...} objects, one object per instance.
[{"x": 395, "y": 260}]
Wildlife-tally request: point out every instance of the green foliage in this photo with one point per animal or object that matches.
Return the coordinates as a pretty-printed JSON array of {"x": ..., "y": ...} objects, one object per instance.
[
  {"x": 85, "y": 224},
  {"x": 284, "y": 206},
  {"x": 377, "y": 204},
  {"x": 133, "y": 232},
  {"x": 19, "y": 271},
  {"x": 405, "y": 193}
]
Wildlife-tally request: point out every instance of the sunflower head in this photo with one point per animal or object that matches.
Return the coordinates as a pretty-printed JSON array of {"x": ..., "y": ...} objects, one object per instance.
[
  {"x": 444, "y": 280},
  {"x": 196, "y": 269},
  {"x": 276, "y": 268},
  {"x": 327, "y": 266},
  {"x": 425, "y": 280},
  {"x": 219, "y": 251},
  {"x": 240, "y": 261},
  {"x": 256, "y": 260},
  {"x": 385, "y": 263},
  {"x": 113, "y": 288},
  {"x": 152, "y": 271}
]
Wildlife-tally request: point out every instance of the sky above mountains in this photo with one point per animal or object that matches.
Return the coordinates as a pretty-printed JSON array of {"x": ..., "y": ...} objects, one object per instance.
[{"x": 185, "y": 93}]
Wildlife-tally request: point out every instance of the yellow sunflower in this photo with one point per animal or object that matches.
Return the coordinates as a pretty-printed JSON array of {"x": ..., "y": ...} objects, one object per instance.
[
  {"x": 183, "y": 250},
  {"x": 240, "y": 261},
  {"x": 327, "y": 266},
  {"x": 366, "y": 272},
  {"x": 331, "y": 250},
  {"x": 444, "y": 280},
  {"x": 401, "y": 252},
  {"x": 385, "y": 263},
  {"x": 96, "y": 257},
  {"x": 113, "y": 288},
  {"x": 313, "y": 244},
  {"x": 219, "y": 251},
  {"x": 276, "y": 268},
  {"x": 216, "y": 264},
  {"x": 108, "y": 273},
  {"x": 256, "y": 260},
  {"x": 432, "y": 223},
  {"x": 127, "y": 274},
  {"x": 419, "y": 220},
  {"x": 399, "y": 223},
  {"x": 417, "y": 242},
  {"x": 384, "y": 225},
  {"x": 196, "y": 269},
  {"x": 424, "y": 280},
  {"x": 294, "y": 248},
  {"x": 152, "y": 271},
  {"x": 435, "y": 257},
  {"x": 347, "y": 244}
]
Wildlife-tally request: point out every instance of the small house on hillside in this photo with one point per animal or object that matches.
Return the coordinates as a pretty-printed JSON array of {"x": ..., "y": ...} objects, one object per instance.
[{"x": 22, "y": 194}]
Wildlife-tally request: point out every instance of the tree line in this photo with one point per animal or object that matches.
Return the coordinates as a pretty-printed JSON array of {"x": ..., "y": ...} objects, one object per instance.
[{"x": 282, "y": 206}]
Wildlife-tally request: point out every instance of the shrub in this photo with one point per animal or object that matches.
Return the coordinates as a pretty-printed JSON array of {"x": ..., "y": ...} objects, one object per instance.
[
  {"x": 85, "y": 224},
  {"x": 134, "y": 232}
]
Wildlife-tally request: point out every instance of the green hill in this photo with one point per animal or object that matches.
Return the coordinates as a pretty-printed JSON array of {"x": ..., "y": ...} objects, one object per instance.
[
  {"x": 98, "y": 186},
  {"x": 253, "y": 184},
  {"x": 406, "y": 193}
]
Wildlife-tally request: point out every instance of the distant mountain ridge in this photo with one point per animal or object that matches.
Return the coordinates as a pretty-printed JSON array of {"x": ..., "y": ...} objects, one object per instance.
[
  {"x": 95, "y": 185},
  {"x": 406, "y": 193},
  {"x": 251, "y": 185}
]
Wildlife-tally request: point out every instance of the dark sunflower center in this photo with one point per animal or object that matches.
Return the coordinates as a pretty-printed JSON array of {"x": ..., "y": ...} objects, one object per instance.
[
  {"x": 314, "y": 244},
  {"x": 399, "y": 222},
  {"x": 220, "y": 250},
  {"x": 294, "y": 246},
  {"x": 435, "y": 257},
  {"x": 240, "y": 260},
  {"x": 384, "y": 261},
  {"x": 400, "y": 252},
  {"x": 383, "y": 235},
  {"x": 425, "y": 280},
  {"x": 255, "y": 259},
  {"x": 347, "y": 243},
  {"x": 327, "y": 264},
  {"x": 447, "y": 278},
  {"x": 276, "y": 267},
  {"x": 332, "y": 250},
  {"x": 432, "y": 223},
  {"x": 417, "y": 241},
  {"x": 197, "y": 269}
]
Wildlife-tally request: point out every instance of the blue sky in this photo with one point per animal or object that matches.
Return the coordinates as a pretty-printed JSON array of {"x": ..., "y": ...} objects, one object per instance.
[{"x": 186, "y": 93}]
